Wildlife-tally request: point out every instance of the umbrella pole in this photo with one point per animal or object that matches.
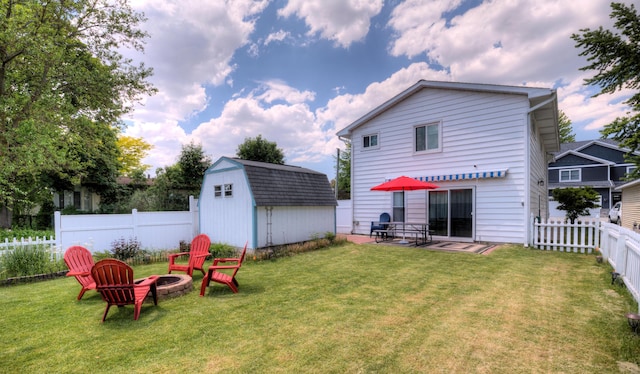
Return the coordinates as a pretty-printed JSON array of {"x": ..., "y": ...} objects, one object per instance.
[{"x": 404, "y": 240}]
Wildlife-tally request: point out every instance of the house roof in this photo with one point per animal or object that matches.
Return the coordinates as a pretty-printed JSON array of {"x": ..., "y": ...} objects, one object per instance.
[
  {"x": 629, "y": 184},
  {"x": 543, "y": 105},
  {"x": 286, "y": 185}
]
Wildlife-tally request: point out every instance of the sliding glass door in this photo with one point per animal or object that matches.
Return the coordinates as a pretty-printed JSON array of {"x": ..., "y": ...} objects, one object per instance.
[{"x": 451, "y": 213}]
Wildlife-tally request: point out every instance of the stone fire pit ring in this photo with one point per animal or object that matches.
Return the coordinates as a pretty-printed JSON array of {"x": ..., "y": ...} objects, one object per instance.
[{"x": 171, "y": 285}]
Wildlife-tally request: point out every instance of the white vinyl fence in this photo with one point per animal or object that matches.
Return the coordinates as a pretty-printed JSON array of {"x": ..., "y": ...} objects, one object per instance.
[
  {"x": 153, "y": 230},
  {"x": 557, "y": 235},
  {"x": 621, "y": 248},
  {"x": 7, "y": 246},
  {"x": 344, "y": 217}
]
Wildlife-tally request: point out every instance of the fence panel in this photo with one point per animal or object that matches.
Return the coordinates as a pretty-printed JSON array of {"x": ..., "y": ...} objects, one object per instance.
[
  {"x": 558, "y": 235},
  {"x": 621, "y": 249},
  {"x": 8, "y": 246}
]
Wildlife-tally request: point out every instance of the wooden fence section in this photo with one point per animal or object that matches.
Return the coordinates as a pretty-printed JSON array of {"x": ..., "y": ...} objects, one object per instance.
[{"x": 557, "y": 235}]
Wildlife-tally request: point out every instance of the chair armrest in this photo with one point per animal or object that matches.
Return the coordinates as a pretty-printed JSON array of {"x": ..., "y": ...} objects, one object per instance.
[
  {"x": 147, "y": 281},
  {"x": 173, "y": 256},
  {"x": 81, "y": 273},
  {"x": 218, "y": 267},
  {"x": 216, "y": 261}
]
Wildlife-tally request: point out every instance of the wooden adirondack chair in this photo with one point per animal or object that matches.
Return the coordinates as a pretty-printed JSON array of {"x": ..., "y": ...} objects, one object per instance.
[
  {"x": 114, "y": 281},
  {"x": 197, "y": 255},
  {"x": 80, "y": 261},
  {"x": 214, "y": 273}
]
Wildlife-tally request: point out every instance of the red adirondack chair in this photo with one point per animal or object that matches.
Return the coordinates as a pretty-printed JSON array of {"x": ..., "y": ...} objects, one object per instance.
[
  {"x": 214, "y": 273},
  {"x": 198, "y": 253},
  {"x": 114, "y": 281},
  {"x": 80, "y": 261}
]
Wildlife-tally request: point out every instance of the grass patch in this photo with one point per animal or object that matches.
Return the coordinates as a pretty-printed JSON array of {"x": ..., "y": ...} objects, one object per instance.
[{"x": 350, "y": 308}]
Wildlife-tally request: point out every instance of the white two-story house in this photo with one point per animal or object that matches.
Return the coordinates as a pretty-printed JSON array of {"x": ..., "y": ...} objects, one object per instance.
[{"x": 486, "y": 146}]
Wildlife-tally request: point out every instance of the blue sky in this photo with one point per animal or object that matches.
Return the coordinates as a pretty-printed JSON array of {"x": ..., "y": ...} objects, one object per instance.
[{"x": 297, "y": 71}]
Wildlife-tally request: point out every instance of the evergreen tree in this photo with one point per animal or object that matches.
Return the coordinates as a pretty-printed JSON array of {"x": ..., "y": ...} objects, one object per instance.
[{"x": 615, "y": 55}]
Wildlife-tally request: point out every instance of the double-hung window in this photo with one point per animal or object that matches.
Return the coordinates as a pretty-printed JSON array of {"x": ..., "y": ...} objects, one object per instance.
[
  {"x": 428, "y": 138},
  {"x": 570, "y": 175}
]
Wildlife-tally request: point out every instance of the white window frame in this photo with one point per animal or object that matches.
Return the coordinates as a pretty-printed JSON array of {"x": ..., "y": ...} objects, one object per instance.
[
  {"x": 630, "y": 169},
  {"x": 217, "y": 190},
  {"x": 228, "y": 190},
  {"x": 369, "y": 137},
  {"x": 438, "y": 124},
  {"x": 570, "y": 171}
]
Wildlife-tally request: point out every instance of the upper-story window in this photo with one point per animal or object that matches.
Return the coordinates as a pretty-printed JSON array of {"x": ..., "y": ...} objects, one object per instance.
[
  {"x": 370, "y": 141},
  {"x": 428, "y": 138},
  {"x": 630, "y": 169},
  {"x": 570, "y": 175}
]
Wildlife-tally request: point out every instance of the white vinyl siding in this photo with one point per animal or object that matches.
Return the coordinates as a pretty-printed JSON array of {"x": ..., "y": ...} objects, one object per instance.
[{"x": 479, "y": 131}]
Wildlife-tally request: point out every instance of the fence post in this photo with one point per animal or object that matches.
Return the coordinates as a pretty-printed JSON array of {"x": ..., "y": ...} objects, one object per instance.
[
  {"x": 134, "y": 222},
  {"x": 621, "y": 254},
  {"x": 57, "y": 228}
]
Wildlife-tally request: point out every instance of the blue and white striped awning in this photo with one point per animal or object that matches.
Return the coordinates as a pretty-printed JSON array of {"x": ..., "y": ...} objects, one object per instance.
[{"x": 465, "y": 176}]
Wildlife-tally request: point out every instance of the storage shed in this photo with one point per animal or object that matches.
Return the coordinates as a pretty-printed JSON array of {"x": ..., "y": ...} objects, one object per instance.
[
  {"x": 630, "y": 205},
  {"x": 264, "y": 204}
]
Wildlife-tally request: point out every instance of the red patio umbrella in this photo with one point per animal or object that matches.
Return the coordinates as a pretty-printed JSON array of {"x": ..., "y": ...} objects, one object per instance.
[{"x": 404, "y": 184}]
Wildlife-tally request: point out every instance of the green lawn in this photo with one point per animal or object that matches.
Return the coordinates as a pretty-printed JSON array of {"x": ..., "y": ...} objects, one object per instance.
[{"x": 348, "y": 309}]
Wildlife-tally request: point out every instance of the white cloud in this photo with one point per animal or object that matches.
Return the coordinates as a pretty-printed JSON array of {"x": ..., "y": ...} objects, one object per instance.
[
  {"x": 278, "y": 36},
  {"x": 343, "y": 21},
  {"x": 290, "y": 124}
]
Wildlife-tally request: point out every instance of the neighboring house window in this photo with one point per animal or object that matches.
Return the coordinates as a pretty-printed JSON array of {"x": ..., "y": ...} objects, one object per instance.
[
  {"x": 630, "y": 169},
  {"x": 228, "y": 190},
  {"x": 427, "y": 138},
  {"x": 570, "y": 175},
  {"x": 217, "y": 191},
  {"x": 370, "y": 141}
]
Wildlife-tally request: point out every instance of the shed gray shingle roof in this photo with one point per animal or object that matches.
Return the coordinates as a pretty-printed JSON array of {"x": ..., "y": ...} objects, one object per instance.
[{"x": 284, "y": 185}]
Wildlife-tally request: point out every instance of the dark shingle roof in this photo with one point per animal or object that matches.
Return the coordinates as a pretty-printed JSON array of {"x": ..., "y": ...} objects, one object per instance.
[{"x": 284, "y": 185}]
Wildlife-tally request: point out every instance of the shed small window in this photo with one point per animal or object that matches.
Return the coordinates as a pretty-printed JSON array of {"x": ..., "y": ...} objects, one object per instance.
[
  {"x": 228, "y": 190},
  {"x": 570, "y": 175},
  {"x": 217, "y": 191},
  {"x": 370, "y": 141}
]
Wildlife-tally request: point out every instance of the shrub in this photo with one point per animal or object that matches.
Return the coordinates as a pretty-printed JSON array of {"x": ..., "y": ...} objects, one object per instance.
[
  {"x": 125, "y": 249},
  {"x": 28, "y": 260},
  {"x": 219, "y": 250}
]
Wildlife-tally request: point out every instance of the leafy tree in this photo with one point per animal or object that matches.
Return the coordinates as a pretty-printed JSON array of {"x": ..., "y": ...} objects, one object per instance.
[
  {"x": 193, "y": 162},
  {"x": 566, "y": 131},
  {"x": 132, "y": 151},
  {"x": 259, "y": 149},
  {"x": 344, "y": 173},
  {"x": 62, "y": 76},
  {"x": 576, "y": 201},
  {"x": 616, "y": 58},
  {"x": 174, "y": 184}
]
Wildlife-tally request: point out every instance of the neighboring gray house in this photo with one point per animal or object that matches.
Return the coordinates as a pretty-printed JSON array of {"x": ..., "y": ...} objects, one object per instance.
[
  {"x": 599, "y": 164},
  {"x": 486, "y": 146},
  {"x": 264, "y": 204}
]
